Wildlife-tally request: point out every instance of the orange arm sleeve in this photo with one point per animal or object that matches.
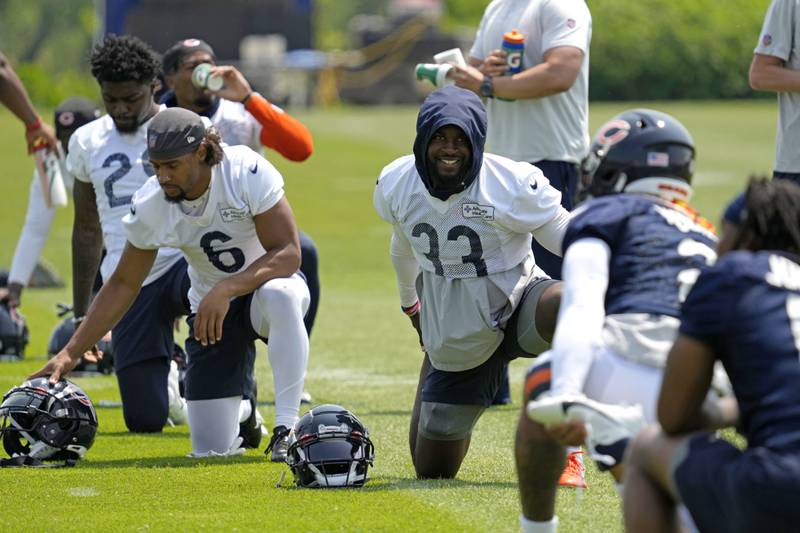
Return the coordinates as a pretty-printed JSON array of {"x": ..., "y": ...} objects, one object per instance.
[{"x": 279, "y": 131}]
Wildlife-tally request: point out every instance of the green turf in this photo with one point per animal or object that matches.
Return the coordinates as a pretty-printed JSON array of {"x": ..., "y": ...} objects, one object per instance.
[{"x": 363, "y": 356}]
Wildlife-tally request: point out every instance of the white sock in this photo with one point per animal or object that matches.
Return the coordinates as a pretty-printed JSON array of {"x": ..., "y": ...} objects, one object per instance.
[
  {"x": 620, "y": 489},
  {"x": 573, "y": 449},
  {"x": 213, "y": 425},
  {"x": 245, "y": 410},
  {"x": 276, "y": 312},
  {"x": 531, "y": 526}
]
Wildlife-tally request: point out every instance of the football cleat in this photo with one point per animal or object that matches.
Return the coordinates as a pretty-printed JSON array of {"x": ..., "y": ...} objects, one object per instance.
[
  {"x": 305, "y": 397},
  {"x": 178, "y": 413},
  {"x": 250, "y": 429},
  {"x": 574, "y": 474},
  {"x": 609, "y": 427},
  {"x": 278, "y": 444}
]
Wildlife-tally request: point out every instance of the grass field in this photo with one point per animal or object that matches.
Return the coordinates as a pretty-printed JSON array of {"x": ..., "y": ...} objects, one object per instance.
[{"x": 363, "y": 356}]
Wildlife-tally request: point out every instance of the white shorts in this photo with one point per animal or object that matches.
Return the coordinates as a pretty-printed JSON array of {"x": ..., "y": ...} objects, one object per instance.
[{"x": 616, "y": 380}]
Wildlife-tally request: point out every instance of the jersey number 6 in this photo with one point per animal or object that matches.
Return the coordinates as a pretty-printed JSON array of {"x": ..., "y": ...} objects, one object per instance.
[{"x": 215, "y": 256}]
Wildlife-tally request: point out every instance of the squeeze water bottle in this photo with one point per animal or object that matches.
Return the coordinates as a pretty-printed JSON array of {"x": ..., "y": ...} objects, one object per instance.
[
  {"x": 48, "y": 167},
  {"x": 514, "y": 46}
]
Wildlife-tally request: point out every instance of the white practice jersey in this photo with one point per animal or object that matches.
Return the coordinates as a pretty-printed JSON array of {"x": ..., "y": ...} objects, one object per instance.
[
  {"x": 221, "y": 241},
  {"x": 236, "y": 125},
  {"x": 116, "y": 166},
  {"x": 474, "y": 250}
]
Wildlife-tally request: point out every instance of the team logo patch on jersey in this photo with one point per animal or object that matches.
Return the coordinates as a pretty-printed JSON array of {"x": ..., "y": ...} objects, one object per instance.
[
  {"x": 571, "y": 23},
  {"x": 486, "y": 212},
  {"x": 767, "y": 39},
  {"x": 231, "y": 214}
]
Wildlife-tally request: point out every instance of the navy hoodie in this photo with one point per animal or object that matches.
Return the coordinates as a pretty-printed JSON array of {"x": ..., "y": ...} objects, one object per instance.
[{"x": 450, "y": 106}]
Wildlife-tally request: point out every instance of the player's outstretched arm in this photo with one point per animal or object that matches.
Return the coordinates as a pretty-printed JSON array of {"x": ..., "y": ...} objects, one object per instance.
[
  {"x": 87, "y": 246},
  {"x": 683, "y": 404},
  {"x": 113, "y": 300},
  {"x": 277, "y": 232}
]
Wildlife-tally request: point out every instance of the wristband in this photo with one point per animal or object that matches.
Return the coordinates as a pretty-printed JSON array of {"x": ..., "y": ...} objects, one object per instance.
[
  {"x": 411, "y": 311},
  {"x": 35, "y": 125},
  {"x": 246, "y": 98}
]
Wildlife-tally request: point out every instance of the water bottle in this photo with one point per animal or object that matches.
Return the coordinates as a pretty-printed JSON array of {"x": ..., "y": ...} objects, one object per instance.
[
  {"x": 514, "y": 46},
  {"x": 434, "y": 73},
  {"x": 48, "y": 167},
  {"x": 203, "y": 79}
]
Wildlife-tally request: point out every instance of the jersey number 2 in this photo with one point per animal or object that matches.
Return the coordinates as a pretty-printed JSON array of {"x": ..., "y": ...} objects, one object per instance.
[
  {"x": 475, "y": 255},
  {"x": 793, "y": 311},
  {"x": 215, "y": 256}
]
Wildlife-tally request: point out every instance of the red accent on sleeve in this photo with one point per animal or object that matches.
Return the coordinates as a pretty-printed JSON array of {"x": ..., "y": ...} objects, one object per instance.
[{"x": 280, "y": 131}]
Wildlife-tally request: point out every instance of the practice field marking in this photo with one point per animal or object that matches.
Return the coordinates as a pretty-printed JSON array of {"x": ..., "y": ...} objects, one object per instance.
[{"x": 83, "y": 492}]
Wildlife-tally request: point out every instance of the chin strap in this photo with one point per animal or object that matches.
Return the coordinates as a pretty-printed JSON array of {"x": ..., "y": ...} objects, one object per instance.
[{"x": 26, "y": 460}]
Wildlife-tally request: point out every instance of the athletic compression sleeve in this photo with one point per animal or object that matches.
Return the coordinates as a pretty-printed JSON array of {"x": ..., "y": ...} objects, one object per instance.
[
  {"x": 582, "y": 313},
  {"x": 405, "y": 268},
  {"x": 551, "y": 234},
  {"x": 279, "y": 131}
]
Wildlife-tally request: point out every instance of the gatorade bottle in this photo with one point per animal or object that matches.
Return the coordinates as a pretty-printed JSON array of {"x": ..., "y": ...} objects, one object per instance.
[{"x": 514, "y": 46}]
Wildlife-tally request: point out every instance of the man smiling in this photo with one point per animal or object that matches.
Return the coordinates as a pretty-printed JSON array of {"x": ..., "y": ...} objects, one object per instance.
[{"x": 461, "y": 249}]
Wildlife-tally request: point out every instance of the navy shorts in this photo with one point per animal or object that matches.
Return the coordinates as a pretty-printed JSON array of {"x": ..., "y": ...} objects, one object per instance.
[
  {"x": 730, "y": 490},
  {"x": 479, "y": 385},
  {"x": 147, "y": 329},
  {"x": 223, "y": 369}
]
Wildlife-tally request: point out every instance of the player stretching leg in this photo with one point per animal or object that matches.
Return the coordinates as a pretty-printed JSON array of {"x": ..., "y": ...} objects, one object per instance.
[{"x": 225, "y": 209}]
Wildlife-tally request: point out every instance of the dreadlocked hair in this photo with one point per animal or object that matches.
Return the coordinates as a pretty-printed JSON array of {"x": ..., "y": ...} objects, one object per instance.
[
  {"x": 772, "y": 216},
  {"x": 211, "y": 140},
  {"x": 124, "y": 58}
]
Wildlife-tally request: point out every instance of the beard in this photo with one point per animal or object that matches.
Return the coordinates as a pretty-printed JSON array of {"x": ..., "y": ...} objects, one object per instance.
[
  {"x": 177, "y": 198},
  {"x": 204, "y": 101}
]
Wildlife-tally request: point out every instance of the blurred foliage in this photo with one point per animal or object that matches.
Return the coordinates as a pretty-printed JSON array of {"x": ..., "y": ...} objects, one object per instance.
[
  {"x": 48, "y": 42},
  {"x": 641, "y": 49},
  {"x": 331, "y": 19},
  {"x": 678, "y": 49}
]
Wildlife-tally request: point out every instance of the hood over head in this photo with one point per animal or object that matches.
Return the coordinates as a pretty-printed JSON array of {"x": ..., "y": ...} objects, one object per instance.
[{"x": 457, "y": 107}]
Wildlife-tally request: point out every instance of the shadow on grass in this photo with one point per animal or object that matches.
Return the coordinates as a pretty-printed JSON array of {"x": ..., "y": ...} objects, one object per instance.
[
  {"x": 406, "y": 413},
  {"x": 129, "y": 435},
  {"x": 387, "y": 483},
  {"x": 173, "y": 462}
]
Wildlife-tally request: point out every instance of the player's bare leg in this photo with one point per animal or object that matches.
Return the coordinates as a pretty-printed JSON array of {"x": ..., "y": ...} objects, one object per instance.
[
  {"x": 650, "y": 500},
  {"x": 433, "y": 458},
  {"x": 540, "y": 461}
]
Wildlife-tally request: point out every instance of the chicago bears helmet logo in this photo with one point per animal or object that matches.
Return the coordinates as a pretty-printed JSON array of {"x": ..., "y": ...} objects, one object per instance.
[
  {"x": 612, "y": 132},
  {"x": 66, "y": 119}
]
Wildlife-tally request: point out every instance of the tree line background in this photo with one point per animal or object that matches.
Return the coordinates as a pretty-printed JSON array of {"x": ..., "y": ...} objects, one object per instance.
[{"x": 641, "y": 49}]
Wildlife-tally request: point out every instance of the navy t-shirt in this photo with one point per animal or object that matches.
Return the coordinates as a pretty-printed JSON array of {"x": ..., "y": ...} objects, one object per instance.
[
  {"x": 657, "y": 250},
  {"x": 747, "y": 310}
]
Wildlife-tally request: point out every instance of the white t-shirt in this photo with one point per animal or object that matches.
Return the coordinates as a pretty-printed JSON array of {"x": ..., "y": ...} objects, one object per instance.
[
  {"x": 221, "y": 241},
  {"x": 115, "y": 165},
  {"x": 555, "y": 127},
  {"x": 474, "y": 250},
  {"x": 780, "y": 37}
]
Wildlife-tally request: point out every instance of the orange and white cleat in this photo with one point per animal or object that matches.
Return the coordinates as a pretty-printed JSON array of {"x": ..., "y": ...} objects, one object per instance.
[{"x": 574, "y": 474}]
